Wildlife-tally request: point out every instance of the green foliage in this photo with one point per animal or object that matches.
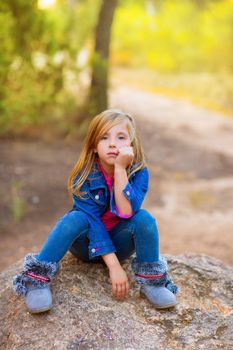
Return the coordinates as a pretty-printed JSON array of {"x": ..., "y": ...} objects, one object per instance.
[
  {"x": 39, "y": 49},
  {"x": 39, "y": 68},
  {"x": 68, "y": 27},
  {"x": 174, "y": 36},
  {"x": 27, "y": 25}
]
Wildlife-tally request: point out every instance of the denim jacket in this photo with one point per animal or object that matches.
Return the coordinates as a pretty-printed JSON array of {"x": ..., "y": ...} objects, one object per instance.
[{"x": 96, "y": 201}]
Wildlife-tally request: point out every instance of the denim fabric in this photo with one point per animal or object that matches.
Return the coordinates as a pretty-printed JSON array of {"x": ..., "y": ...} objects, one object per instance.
[
  {"x": 95, "y": 202},
  {"x": 139, "y": 233}
]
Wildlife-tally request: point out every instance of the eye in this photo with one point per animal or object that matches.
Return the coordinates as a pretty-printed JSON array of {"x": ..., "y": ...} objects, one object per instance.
[
  {"x": 104, "y": 137},
  {"x": 122, "y": 137}
]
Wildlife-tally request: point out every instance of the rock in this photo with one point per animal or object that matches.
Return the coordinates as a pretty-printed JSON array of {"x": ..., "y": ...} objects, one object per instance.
[{"x": 86, "y": 316}]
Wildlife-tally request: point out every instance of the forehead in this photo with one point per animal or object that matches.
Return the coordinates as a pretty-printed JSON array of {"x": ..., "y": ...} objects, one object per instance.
[{"x": 121, "y": 127}]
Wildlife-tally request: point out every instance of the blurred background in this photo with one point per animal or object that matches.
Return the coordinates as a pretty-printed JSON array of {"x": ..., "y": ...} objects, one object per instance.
[{"x": 167, "y": 62}]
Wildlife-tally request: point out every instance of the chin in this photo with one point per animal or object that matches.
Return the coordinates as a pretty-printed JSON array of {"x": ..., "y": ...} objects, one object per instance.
[{"x": 111, "y": 161}]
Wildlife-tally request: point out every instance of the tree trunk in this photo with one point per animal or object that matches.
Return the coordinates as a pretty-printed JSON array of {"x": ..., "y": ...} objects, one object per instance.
[{"x": 98, "y": 99}]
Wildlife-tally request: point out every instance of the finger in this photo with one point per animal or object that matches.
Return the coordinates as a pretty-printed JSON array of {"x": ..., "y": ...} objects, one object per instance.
[
  {"x": 127, "y": 288},
  {"x": 122, "y": 294},
  {"x": 127, "y": 152},
  {"x": 130, "y": 148},
  {"x": 118, "y": 291},
  {"x": 122, "y": 291},
  {"x": 114, "y": 289},
  {"x": 126, "y": 148}
]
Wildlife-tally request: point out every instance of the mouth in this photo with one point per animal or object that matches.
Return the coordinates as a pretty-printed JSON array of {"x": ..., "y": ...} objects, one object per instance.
[{"x": 112, "y": 154}]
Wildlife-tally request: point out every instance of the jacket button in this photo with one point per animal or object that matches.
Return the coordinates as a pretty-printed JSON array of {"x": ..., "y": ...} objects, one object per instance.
[
  {"x": 128, "y": 193},
  {"x": 93, "y": 250},
  {"x": 97, "y": 196}
]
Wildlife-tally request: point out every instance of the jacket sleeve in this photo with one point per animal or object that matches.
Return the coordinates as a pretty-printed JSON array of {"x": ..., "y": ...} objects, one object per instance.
[
  {"x": 100, "y": 241},
  {"x": 135, "y": 191}
]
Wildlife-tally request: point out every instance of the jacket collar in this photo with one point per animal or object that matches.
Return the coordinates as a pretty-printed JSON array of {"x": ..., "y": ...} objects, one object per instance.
[{"x": 96, "y": 177}]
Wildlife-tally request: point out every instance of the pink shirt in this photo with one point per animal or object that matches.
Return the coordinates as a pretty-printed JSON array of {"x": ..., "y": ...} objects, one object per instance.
[{"x": 109, "y": 219}]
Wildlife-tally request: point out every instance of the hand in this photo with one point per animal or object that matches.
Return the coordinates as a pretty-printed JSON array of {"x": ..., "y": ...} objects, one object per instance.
[
  {"x": 124, "y": 157},
  {"x": 119, "y": 280}
]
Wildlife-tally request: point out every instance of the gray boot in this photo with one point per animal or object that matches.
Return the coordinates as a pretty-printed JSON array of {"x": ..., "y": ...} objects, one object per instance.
[
  {"x": 155, "y": 282},
  {"x": 39, "y": 299},
  {"x": 159, "y": 296},
  {"x": 34, "y": 283}
]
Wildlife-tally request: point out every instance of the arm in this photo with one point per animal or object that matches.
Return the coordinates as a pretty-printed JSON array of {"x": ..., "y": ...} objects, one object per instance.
[
  {"x": 120, "y": 182},
  {"x": 101, "y": 244},
  {"x": 123, "y": 160},
  {"x": 134, "y": 192},
  {"x": 100, "y": 241},
  {"x": 118, "y": 277},
  {"x": 128, "y": 197}
]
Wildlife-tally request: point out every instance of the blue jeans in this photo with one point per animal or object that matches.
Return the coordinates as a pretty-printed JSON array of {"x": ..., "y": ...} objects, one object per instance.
[{"x": 138, "y": 233}]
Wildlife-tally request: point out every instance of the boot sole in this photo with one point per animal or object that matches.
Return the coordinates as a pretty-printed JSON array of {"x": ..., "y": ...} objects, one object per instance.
[
  {"x": 164, "y": 306},
  {"x": 43, "y": 309}
]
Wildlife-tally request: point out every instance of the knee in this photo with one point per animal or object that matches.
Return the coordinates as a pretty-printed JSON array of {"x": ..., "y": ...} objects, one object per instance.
[
  {"x": 145, "y": 225},
  {"x": 74, "y": 220},
  {"x": 144, "y": 220}
]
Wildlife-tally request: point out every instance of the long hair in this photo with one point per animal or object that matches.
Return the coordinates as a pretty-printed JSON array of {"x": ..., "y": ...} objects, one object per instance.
[{"x": 97, "y": 128}]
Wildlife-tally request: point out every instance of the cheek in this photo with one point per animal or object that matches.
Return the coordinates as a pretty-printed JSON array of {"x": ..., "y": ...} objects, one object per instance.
[
  {"x": 100, "y": 147},
  {"x": 126, "y": 143}
]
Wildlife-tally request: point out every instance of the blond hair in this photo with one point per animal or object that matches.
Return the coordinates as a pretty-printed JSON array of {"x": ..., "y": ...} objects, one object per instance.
[{"x": 97, "y": 128}]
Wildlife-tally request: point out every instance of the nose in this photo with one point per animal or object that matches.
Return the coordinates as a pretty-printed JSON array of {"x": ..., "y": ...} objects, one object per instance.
[{"x": 112, "y": 143}]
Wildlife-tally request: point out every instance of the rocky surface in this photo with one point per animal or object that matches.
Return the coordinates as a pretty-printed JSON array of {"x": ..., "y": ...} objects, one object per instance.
[{"x": 86, "y": 316}]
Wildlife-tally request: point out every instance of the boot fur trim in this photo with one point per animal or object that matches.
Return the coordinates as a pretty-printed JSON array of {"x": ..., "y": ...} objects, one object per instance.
[
  {"x": 157, "y": 269},
  {"x": 34, "y": 266}
]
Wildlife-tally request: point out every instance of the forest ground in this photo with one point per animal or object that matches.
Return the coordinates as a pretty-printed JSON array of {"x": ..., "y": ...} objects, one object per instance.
[{"x": 190, "y": 157}]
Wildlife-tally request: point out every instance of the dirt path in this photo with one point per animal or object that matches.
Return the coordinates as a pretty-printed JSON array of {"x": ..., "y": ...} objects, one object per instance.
[
  {"x": 191, "y": 183},
  {"x": 190, "y": 124},
  {"x": 190, "y": 152}
]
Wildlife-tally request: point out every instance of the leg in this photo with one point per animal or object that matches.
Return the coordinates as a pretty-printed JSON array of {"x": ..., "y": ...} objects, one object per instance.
[
  {"x": 140, "y": 233},
  {"x": 79, "y": 249},
  {"x": 65, "y": 232},
  {"x": 34, "y": 281}
]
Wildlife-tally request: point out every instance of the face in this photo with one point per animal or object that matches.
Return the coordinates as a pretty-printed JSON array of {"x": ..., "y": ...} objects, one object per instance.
[{"x": 110, "y": 142}]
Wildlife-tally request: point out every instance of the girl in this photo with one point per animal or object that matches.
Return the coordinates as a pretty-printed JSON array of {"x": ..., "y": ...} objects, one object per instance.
[{"x": 108, "y": 184}]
